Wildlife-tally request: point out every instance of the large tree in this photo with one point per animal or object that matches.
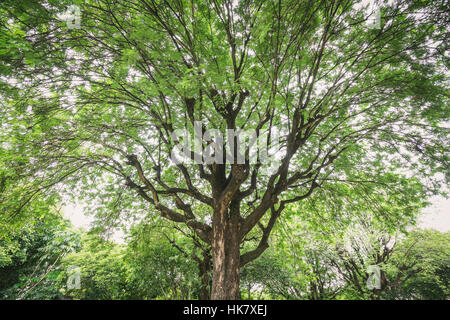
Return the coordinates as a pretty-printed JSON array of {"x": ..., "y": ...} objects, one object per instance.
[{"x": 88, "y": 109}]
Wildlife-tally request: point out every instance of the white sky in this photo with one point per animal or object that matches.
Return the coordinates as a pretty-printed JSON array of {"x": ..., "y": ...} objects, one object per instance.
[
  {"x": 74, "y": 212},
  {"x": 436, "y": 216}
]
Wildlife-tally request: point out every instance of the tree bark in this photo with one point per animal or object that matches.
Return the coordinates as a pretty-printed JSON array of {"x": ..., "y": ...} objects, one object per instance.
[
  {"x": 204, "y": 273},
  {"x": 225, "y": 256}
]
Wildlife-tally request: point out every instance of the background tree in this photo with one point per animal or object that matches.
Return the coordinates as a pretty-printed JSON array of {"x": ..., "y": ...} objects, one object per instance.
[
  {"x": 167, "y": 264},
  {"x": 87, "y": 111},
  {"x": 30, "y": 260},
  {"x": 105, "y": 274},
  {"x": 297, "y": 267},
  {"x": 419, "y": 267},
  {"x": 266, "y": 278}
]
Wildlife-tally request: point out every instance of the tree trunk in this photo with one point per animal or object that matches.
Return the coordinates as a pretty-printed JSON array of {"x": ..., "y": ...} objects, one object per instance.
[
  {"x": 225, "y": 256},
  {"x": 204, "y": 273}
]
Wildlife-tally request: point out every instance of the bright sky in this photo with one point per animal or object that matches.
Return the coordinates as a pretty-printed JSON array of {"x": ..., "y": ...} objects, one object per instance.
[
  {"x": 74, "y": 212},
  {"x": 436, "y": 216}
]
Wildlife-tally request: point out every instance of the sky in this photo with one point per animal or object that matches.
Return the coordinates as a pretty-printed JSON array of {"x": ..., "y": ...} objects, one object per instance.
[{"x": 436, "y": 216}]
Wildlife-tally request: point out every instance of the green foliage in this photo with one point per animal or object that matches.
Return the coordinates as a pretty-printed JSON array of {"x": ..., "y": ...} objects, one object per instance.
[
  {"x": 331, "y": 261},
  {"x": 104, "y": 272},
  {"x": 149, "y": 267},
  {"x": 30, "y": 259},
  {"x": 419, "y": 267},
  {"x": 266, "y": 277},
  {"x": 88, "y": 113},
  {"x": 161, "y": 270}
]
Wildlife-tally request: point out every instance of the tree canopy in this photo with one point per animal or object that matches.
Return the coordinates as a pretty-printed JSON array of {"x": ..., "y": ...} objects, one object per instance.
[{"x": 89, "y": 111}]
